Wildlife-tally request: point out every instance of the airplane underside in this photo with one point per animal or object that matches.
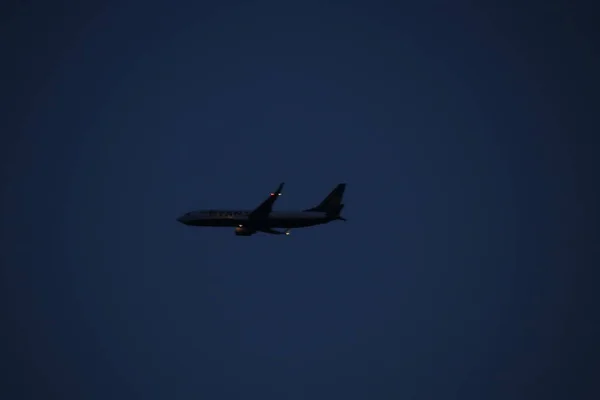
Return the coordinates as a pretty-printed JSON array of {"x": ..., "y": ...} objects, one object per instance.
[{"x": 266, "y": 224}]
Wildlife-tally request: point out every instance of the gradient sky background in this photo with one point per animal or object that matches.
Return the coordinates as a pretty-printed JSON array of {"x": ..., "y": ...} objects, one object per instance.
[{"x": 466, "y": 137}]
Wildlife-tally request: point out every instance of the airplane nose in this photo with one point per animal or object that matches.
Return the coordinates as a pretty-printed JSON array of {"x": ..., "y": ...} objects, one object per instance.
[{"x": 181, "y": 219}]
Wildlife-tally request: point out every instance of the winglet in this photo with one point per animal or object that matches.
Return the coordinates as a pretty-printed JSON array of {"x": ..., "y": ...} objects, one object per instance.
[
  {"x": 264, "y": 209},
  {"x": 278, "y": 191}
]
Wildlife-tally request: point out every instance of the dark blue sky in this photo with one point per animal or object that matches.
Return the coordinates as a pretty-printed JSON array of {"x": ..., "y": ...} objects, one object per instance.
[{"x": 465, "y": 135}]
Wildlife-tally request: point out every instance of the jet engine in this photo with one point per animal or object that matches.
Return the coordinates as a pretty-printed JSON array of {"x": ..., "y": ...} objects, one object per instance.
[{"x": 243, "y": 231}]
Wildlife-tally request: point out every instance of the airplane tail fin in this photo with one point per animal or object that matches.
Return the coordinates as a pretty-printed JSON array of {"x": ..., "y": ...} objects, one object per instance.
[{"x": 332, "y": 204}]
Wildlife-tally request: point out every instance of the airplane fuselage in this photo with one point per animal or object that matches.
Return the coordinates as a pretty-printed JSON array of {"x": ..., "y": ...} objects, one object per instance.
[
  {"x": 276, "y": 219},
  {"x": 264, "y": 219}
]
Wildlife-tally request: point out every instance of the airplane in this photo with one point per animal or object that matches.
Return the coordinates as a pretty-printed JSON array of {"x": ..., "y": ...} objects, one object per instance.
[{"x": 264, "y": 219}]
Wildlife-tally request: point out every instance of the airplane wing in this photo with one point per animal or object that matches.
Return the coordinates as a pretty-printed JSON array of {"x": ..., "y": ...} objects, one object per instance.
[
  {"x": 266, "y": 206},
  {"x": 274, "y": 232}
]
